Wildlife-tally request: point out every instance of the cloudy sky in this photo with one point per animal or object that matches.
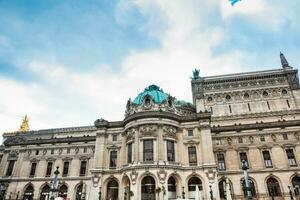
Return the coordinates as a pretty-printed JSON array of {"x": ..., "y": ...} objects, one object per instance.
[{"x": 67, "y": 63}]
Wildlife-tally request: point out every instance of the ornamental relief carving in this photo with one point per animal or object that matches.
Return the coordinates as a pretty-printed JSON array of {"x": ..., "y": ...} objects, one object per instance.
[
  {"x": 255, "y": 94},
  {"x": 170, "y": 131},
  {"x": 130, "y": 134},
  {"x": 148, "y": 130},
  {"x": 246, "y": 83}
]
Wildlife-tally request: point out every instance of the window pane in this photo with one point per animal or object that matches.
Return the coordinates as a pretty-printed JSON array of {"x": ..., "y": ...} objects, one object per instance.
[
  {"x": 170, "y": 151},
  {"x": 83, "y": 168},
  {"x": 66, "y": 169},
  {"x": 192, "y": 155},
  {"x": 243, "y": 156},
  {"x": 267, "y": 158},
  {"x": 113, "y": 159},
  {"x": 10, "y": 168},
  {"x": 291, "y": 157},
  {"x": 221, "y": 161},
  {"x": 33, "y": 168},
  {"x": 49, "y": 168},
  {"x": 129, "y": 153},
  {"x": 148, "y": 150}
]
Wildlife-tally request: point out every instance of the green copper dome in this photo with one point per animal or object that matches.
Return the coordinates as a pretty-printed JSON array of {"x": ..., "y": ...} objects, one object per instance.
[{"x": 157, "y": 94}]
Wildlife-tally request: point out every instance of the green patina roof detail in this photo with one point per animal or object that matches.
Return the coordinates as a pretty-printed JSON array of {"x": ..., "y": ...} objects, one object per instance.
[
  {"x": 155, "y": 92},
  {"x": 182, "y": 103}
]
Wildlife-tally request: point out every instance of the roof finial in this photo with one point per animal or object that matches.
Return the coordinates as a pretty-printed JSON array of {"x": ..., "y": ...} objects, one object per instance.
[
  {"x": 284, "y": 62},
  {"x": 24, "y": 126}
]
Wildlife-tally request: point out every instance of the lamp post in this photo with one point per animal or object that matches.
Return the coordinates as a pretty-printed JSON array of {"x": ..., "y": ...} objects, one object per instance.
[
  {"x": 54, "y": 184},
  {"x": 183, "y": 193},
  {"x": 291, "y": 193},
  {"x": 100, "y": 193},
  {"x": 211, "y": 193},
  {"x": 247, "y": 185}
]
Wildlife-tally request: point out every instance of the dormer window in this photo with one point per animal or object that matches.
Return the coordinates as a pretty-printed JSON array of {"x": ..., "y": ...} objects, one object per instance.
[{"x": 147, "y": 101}]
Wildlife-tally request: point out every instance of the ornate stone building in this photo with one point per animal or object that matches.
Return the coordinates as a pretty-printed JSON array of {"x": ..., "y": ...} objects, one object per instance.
[{"x": 165, "y": 148}]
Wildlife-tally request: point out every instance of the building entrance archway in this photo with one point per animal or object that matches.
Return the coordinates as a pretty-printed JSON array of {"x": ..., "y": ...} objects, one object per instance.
[
  {"x": 112, "y": 192},
  {"x": 148, "y": 188},
  {"x": 193, "y": 183},
  {"x": 172, "y": 188}
]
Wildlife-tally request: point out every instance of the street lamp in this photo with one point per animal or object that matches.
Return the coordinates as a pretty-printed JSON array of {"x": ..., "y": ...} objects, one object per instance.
[
  {"x": 291, "y": 193},
  {"x": 183, "y": 193},
  {"x": 247, "y": 185},
  {"x": 211, "y": 193},
  {"x": 54, "y": 184}
]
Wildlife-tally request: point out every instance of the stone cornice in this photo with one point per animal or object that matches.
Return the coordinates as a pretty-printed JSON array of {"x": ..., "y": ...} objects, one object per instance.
[
  {"x": 245, "y": 76},
  {"x": 259, "y": 126},
  {"x": 10, "y": 142}
]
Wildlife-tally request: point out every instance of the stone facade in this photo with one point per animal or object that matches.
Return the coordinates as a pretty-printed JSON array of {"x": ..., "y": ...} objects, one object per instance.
[{"x": 164, "y": 147}]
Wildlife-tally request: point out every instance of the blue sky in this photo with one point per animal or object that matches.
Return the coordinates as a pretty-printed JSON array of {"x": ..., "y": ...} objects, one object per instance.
[{"x": 66, "y": 62}]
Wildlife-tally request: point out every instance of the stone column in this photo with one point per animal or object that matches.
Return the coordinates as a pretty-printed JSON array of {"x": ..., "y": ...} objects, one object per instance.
[
  {"x": 136, "y": 145},
  {"x": 206, "y": 143},
  {"x": 279, "y": 157},
  {"x": 232, "y": 160},
  {"x": 18, "y": 164},
  {"x": 100, "y": 148},
  {"x": 160, "y": 144},
  {"x": 41, "y": 168},
  {"x": 255, "y": 158}
]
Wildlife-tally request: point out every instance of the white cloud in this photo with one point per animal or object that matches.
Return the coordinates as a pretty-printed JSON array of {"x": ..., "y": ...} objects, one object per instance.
[{"x": 67, "y": 98}]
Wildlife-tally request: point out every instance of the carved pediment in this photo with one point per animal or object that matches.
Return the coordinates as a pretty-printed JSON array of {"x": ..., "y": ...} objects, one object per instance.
[
  {"x": 148, "y": 130},
  {"x": 170, "y": 131},
  {"x": 130, "y": 134},
  {"x": 114, "y": 147}
]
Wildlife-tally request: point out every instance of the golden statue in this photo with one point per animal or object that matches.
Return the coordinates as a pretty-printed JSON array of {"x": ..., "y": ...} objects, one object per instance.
[{"x": 24, "y": 126}]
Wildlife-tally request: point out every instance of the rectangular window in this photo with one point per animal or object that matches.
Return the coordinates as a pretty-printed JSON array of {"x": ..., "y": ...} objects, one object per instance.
[
  {"x": 190, "y": 133},
  {"x": 221, "y": 161},
  {"x": 33, "y": 169},
  {"x": 82, "y": 168},
  {"x": 84, "y": 150},
  {"x": 267, "y": 159},
  {"x": 243, "y": 156},
  {"x": 52, "y": 151},
  {"x": 230, "y": 109},
  {"x": 192, "y": 155},
  {"x": 129, "y": 153},
  {"x": 1, "y": 156},
  {"x": 249, "y": 108},
  {"x": 10, "y": 168},
  {"x": 113, "y": 159},
  {"x": 49, "y": 168},
  {"x": 291, "y": 157},
  {"x": 170, "y": 151},
  {"x": 285, "y": 136},
  {"x": 37, "y": 152},
  {"x": 66, "y": 168},
  {"x": 114, "y": 137},
  {"x": 68, "y": 150},
  {"x": 148, "y": 150}
]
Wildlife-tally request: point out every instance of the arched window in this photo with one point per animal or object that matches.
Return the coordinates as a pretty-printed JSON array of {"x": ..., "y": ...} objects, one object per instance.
[
  {"x": 171, "y": 188},
  {"x": 296, "y": 185},
  {"x": 28, "y": 193},
  {"x": 45, "y": 192},
  {"x": 224, "y": 188},
  {"x": 80, "y": 192},
  {"x": 63, "y": 191},
  {"x": 112, "y": 190},
  {"x": 252, "y": 187},
  {"x": 148, "y": 188},
  {"x": 273, "y": 187},
  {"x": 192, "y": 184}
]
